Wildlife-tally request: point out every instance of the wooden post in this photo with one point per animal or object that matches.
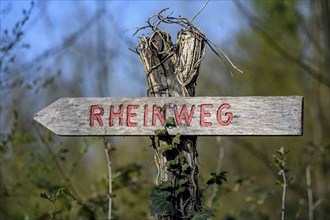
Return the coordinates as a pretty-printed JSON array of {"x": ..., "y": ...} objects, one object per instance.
[{"x": 171, "y": 71}]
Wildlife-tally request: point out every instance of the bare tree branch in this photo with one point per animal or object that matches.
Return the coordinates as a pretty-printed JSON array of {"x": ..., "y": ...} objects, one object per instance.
[
  {"x": 65, "y": 44},
  {"x": 282, "y": 51},
  {"x": 207, "y": 1}
]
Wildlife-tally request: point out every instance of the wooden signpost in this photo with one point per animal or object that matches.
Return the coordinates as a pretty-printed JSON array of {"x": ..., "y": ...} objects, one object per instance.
[
  {"x": 171, "y": 71},
  {"x": 259, "y": 115}
]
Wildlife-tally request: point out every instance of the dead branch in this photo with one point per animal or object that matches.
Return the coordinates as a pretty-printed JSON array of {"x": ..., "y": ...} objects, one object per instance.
[{"x": 187, "y": 26}]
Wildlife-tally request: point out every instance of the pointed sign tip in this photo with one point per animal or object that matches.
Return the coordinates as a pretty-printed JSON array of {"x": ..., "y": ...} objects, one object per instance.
[
  {"x": 36, "y": 117},
  {"x": 39, "y": 120}
]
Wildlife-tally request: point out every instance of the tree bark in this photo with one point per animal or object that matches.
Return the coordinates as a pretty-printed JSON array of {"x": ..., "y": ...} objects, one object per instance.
[{"x": 172, "y": 70}]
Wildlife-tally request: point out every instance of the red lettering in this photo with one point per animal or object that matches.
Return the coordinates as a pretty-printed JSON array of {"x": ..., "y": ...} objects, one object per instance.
[
  {"x": 93, "y": 115},
  {"x": 228, "y": 114},
  {"x": 205, "y": 114},
  {"x": 131, "y": 115},
  {"x": 184, "y": 113},
  {"x": 114, "y": 114},
  {"x": 156, "y": 112},
  {"x": 145, "y": 119}
]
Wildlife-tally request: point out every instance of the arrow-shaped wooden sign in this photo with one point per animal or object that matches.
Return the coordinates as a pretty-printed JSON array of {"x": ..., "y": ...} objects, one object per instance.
[{"x": 275, "y": 115}]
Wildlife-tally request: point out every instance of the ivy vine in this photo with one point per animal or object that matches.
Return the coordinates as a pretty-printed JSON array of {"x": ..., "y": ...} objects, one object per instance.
[{"x": 164, "y": 195}]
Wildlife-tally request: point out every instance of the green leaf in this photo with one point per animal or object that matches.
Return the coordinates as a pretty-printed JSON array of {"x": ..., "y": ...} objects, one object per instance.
[
  {"x": 217, "y": 178},
  {"x": 180, "y": 157},
  {"x": 184, "y": 167},
  {"x": 48, "y": 197},
  {"x": 59, "y": 192},
  {"x": 160, "y": 132},
  {"x": 165, "y": 185},
  {"x": 170, "y": 122},
  {"x": 211, "y": 181},
  {"x": 170, "y": 163},
  {"x": 176, "y": 139},
  {"x": 183, "y": 181},
  {"x": 165, "y": 148},
  {"x": 161, "y": 193},
  {"x": 180, "y": 190},
  {"x": 44, "y": 195},
  {"x": 160, "y": 205},
  {"x": 220, "y": 177},
  {"x": 202, "y": 215},
  {"x": 282, "y": 151},
  {"x": 82, "y": 150},
  {"x": 163, "y": 190}
]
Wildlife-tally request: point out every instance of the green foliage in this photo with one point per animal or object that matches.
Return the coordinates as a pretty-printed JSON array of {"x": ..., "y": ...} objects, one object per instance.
[
  {"x": 161, "y": 132},
  {"x": 17, "y": 34},
  {"x": 217, "y": 178},
  {"x": 280, "y": 160},
  {"x": 127, "y": 176},
  {"x": 204, "y": 215},
  {"x": 64, "y": 194},
  {"x": 164, "y": 196},
  {"x": 170, "y": 122},
  {"x": 164, "y": 148},
  {"x": 177, "y": 139},
  {"x": 16, "y": 135},
  {"x": 160, "y": 205},
  {"x": 171, "y": 165},
  {"x": 161, "y": 199},
  {"x": 182, "y": 182},
  {"x": 184, "y": 167}
]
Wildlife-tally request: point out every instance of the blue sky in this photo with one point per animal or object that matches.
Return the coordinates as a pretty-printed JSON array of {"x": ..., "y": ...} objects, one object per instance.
[
  {"x": 53, "y": 21},
  {"x": 219, "y": 20}
]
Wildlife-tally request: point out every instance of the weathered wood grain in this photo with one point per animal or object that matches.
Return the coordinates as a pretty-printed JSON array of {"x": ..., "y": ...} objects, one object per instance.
[{"x": 282, "y": 115}]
